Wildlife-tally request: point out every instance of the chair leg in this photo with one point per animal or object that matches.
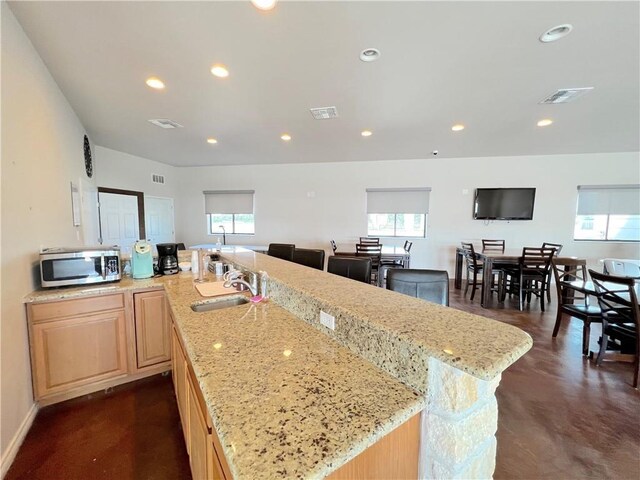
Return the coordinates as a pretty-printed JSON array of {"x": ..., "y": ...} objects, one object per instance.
[
  {"x": 556, "y": 327},
  {"x": 586, "y": 335},
  {"x": 466, "y": 288},
  {"x": 542, "y": 292},
  {"x": 604, "y": 341},
  {"x": 475, "y": 284}
]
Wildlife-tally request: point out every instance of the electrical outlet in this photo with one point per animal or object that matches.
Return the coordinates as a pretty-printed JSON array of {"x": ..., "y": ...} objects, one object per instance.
[{"x": 327, "y": 320}]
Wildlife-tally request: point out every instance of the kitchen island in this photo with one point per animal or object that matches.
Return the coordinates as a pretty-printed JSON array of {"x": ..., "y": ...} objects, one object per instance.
[{"x": 293, "y": 399}]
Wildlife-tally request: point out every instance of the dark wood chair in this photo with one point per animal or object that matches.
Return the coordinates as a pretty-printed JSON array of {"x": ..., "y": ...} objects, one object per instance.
[
  {"x": 620, "y": 316},
  {"x": 281, "y": 250},
  {"x": 429, "y": 285},
  {"x": 474, "y": 268},
  {"x": 374, "y": 252},
  {"x": 558, "y": 248},
  {"x": 493, "y": 245},
  {"x": 531, "y": 277},
  {"x": 572, "y": 302},
  {"x": 334, "y": 246},
  {"x": 309, "y": 257},
  {"x": 350, "y": 267},
  {"x": 397, "y": 263}
]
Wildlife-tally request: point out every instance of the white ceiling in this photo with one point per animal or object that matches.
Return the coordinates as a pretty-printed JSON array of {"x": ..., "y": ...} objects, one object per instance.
[{"x": 477, "y": 63}]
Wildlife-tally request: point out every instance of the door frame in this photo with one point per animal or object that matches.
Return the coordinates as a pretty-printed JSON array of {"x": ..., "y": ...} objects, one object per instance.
[{"x": 138, "y": 195}]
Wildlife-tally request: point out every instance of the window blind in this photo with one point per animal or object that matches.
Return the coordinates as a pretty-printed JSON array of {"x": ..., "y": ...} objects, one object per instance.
[
  {"x": 228, "y": 201},
  {"x": 398, "y": 200},
  {"x": 609, "y": 200}
]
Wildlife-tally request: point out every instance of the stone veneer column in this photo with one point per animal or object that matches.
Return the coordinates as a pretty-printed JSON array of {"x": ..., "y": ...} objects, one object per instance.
[{"x": 457, "y": 435}]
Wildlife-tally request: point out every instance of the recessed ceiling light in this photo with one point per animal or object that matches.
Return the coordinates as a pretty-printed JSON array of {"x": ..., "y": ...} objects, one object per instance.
[
  {"x": 366, "y": 133},
  {"x": 458, "y": 127},
  {"x": 556, "y": 33},
  {"x": 264, "y": 4},
  {"x": 286, "y": 137},
  {"x": 220, "y": 70},
  {"x": 155, "y": 82},
  {"x": 212, "y": 140},
  {"x": 545, "y": 122},
  {"x": 369, "y": 54}
]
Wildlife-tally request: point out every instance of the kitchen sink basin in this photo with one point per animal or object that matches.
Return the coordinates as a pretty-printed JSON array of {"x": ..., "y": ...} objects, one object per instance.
[{"x": 220, "y": 304}]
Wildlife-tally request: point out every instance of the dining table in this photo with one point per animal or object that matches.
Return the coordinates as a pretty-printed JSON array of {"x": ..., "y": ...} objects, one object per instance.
[
  {"x": 388, "y": 253},
  {"x": 490, "y": 260},
  {"x": 588, "y": 288}
]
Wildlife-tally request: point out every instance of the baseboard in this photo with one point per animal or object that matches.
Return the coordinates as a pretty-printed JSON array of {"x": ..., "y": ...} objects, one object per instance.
[{"x": 9, "y": 455}]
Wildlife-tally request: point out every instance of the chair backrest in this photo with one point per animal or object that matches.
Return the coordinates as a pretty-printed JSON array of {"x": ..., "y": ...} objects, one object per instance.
[
  {"x": 568, "y": 270},
  {"x": 372, "y": 251},
  {"x": 281, "y": 250},
  {"x": 492, "y": 245},
  {"x": 537, "y": 259},
  {"x": 334, "y": 247},
  {"x": 429, "y": 285},
  {"x": 309, "y": 257},
  {"x": 469, "y": 253},
  {"x": 351, "y": 267},
  {"x": 407, "y": 246},
  {"x": 617, "y": 298},
  {"x": 625, "y": 268},
  {"x": 369, "y": 240},
  {"x": 557, "y": 247}
]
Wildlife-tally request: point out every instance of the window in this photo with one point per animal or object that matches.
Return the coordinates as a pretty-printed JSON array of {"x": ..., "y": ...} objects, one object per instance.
[
  {"x": 608, "y": 213},
  {"x": 397, "y": 212},
  {"x": 231, "y": 209}
]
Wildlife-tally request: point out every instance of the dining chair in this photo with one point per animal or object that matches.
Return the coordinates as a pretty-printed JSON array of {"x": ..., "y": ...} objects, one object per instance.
[
  {"x": 350, "y": 267},
  {"x": 374, "y": 252},
  {"x": 309, "y": 257},
  {"x": 493, "y": 245},
  {"x": 429, "y": 285},
  {"x": 394, "y": 263},
  {"x": 369, "y": 241},
  {"x": 281, "y": 250},
  {"x": 558, "y": 248},
  {"x": 620, "y": 316},
  {"x": 475, "y": 269},
  {"x": 334, "y": 246},
  {"x": 532, "y": 275},
  {"x": 570, "y": 301}
]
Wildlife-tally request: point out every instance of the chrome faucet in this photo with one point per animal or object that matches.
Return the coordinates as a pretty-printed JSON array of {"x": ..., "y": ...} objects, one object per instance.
[
  {"x": 224, "y": 235},
  {"x": 238, "y": 281}
]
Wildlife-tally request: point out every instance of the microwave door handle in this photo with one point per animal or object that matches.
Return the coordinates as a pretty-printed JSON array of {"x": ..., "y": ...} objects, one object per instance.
[{"x": 102, "y": 267}]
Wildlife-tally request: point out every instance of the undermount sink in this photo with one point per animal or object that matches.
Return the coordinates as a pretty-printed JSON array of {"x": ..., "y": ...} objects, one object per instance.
[{"x": 220, "y": 304}]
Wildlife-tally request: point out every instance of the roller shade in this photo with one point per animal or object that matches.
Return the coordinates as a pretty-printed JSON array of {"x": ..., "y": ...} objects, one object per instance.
[
  {"x": 609, "y": 200},
  {"x": 398, "y": 200},
  {"x": 228, "y": 201}
]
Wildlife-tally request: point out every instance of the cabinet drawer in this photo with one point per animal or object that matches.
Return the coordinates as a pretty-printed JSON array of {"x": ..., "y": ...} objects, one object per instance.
[
  {"x": 41, "y": 312},
  {"x": 78, "y": 351}
]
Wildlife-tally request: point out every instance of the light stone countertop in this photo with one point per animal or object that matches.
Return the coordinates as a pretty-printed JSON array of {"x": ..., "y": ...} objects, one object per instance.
[{"x": 305, "y": 414}]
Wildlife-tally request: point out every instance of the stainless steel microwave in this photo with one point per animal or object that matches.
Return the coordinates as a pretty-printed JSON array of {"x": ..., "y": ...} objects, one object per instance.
[{"x": 79, "y": 266}]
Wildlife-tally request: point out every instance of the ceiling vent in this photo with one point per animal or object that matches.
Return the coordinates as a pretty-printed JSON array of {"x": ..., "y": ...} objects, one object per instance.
[
  {"x": 566, "y": 95},
  {"x": 165, "y": 123},
  {"x": 155, "y": 178},
  {"x": 324, "y": 113}
]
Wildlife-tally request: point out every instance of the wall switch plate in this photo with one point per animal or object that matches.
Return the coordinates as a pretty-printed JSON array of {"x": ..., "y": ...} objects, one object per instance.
[{"x": 327, "y": 320}]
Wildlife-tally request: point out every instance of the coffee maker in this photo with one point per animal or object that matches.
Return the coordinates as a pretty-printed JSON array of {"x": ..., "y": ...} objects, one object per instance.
[{"x": 167, "y": 258}]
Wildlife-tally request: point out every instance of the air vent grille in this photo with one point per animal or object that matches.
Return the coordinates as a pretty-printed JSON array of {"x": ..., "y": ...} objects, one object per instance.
[
  {"x": 155, "y": 178},
  {"x": 566, "y": 95},
  {"x": 324, "y": 113},
  {"x": 165, "y": 123}
]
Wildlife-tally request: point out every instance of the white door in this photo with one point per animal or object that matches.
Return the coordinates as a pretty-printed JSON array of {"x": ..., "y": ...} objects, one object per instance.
[
  {"x": 119, "y": 219},
  {"x": 158, "y": 219}
]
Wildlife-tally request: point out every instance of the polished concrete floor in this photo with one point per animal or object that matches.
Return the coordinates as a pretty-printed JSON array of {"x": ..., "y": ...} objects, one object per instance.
[{"x": 560, "y": 418}]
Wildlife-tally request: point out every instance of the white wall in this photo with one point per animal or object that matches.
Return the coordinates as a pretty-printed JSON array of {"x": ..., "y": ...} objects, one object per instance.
[
  {"x": 285, "y": 213},
  {"x": 116, "y": 169},
  {"x": 42, "y": 152}
]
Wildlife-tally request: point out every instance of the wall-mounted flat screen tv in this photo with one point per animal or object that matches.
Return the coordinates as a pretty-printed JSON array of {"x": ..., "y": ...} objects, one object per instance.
[{"x": 504, "y": 203}]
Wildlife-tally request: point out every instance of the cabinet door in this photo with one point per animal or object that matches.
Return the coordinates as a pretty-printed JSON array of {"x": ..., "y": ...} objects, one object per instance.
[
  {"x": 199, "y": 439},
  {"x": 153, "y": 343},
  {"x": 179, "y": 366},
  {"x": 77, "y": 351}
]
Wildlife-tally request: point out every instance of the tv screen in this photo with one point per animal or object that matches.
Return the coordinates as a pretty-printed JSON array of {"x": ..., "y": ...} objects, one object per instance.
[{"x": 504, "y": 203}]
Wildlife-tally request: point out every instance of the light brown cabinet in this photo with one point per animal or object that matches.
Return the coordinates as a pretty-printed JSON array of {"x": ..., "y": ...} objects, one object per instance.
[
  {"x": 77, "y": 343},
  {"x": 205, "y": 452},
  {"x": 153, "y": 340}
]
